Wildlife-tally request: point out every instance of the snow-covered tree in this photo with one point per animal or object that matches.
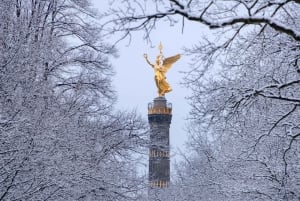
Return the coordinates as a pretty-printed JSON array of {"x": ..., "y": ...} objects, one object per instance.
[
  {"x": 252, "y": 108},
  {"x": 245, "y": 97},
  {"x": 60, "y": 137}
]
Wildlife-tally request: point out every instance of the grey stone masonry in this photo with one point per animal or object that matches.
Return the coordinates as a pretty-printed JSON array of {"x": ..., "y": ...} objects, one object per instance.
[{"x": 159, "y": 117}]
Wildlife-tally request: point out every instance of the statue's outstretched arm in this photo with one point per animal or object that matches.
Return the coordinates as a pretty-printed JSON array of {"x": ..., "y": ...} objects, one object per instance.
[{"x": 146, "y": 57}]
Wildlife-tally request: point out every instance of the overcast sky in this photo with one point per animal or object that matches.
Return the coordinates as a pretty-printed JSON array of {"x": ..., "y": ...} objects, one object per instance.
[{"x": 134, "y": 80}]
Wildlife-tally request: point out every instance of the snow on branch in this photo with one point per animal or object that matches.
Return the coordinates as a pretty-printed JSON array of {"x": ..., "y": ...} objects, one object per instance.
[{"x": 244, "y": 20}]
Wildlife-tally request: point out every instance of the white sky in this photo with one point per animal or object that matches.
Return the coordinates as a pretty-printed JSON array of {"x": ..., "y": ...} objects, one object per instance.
[{"x": 134, "y": 80}]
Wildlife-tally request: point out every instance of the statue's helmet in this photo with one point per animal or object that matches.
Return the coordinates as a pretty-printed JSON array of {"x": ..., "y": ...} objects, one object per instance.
[{"x": 159, "y": 59}]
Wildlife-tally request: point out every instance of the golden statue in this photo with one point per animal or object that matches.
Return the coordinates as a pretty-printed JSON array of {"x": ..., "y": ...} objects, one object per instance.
[{"x": 161, "y": 67}]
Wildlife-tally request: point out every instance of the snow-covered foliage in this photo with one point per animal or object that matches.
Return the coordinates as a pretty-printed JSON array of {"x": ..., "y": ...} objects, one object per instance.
[
  {"x": 60, "y": 137},
  {"x": 250, "y": 113},
  {"x": 245, "y": 133}
]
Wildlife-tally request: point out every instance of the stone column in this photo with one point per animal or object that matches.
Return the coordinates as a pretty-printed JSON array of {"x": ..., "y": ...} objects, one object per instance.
[{"x": 159, "y": 117}]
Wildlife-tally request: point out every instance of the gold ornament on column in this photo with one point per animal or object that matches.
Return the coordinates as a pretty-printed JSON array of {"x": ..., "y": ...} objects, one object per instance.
[{"x": 161, "y": 67}]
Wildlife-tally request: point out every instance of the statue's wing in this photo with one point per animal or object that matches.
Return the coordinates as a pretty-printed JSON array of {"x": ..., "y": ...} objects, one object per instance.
[{"x": 167, "y": 63}]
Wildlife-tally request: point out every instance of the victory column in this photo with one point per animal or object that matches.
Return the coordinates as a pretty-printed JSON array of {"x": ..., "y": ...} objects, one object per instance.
[{"x": 159, "y": 117}]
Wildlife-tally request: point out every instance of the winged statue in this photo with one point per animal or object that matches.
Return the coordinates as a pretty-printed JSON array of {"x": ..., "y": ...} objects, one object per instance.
[{"x": 161, "y": 67}]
